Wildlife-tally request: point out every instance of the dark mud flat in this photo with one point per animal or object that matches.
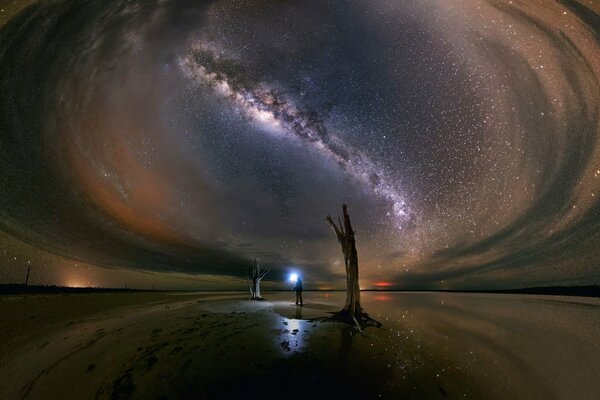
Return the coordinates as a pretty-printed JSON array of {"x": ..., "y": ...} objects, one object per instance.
[{"x": 169, "y": 346}]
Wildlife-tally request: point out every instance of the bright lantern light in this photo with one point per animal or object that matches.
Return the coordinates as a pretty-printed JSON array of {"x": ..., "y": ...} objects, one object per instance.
[{"x": 293, "y": 277}]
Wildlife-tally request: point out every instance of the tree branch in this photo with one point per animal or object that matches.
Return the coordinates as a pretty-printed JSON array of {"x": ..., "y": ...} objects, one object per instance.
[
  {"x": 263, "y": 273},
  {"x": 347, "y": 224},
  {"x": 335, "y": 228}
]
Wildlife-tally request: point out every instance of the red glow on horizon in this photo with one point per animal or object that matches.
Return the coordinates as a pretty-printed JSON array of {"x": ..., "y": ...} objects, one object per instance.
[{"x": 384, "y": 284}]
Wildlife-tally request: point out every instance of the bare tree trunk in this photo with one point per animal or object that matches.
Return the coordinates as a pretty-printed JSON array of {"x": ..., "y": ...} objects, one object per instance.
[
  {"x": 345, "y": 236},
  {"x": 256, "y": 289},
  {"x": 256, "y": 272},
  {"x": 352, "y": 312},
  {"x": 27, "y": 278}
]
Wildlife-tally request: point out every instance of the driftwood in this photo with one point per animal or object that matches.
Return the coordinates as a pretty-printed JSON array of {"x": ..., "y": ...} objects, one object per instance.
[
  {"x": 352, "y": 312},
  {"x": 256, "y": 272}
]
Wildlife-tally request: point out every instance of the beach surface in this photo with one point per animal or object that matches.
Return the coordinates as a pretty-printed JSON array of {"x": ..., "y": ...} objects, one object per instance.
[{"x": 159, "y": 345}]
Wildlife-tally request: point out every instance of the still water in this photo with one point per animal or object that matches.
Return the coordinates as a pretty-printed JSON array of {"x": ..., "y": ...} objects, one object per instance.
[
  {"x": 223, "y": 346},
  {"x": 438, "y": 345}
]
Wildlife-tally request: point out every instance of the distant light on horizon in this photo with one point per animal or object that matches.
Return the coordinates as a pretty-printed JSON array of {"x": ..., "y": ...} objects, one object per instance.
[
  {"x": 293, "y": 277},
  {"x": 75, "y": 283}
]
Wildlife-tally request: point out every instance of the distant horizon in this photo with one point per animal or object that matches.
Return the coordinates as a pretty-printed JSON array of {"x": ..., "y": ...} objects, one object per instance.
[{"x": 581, "y": 290}]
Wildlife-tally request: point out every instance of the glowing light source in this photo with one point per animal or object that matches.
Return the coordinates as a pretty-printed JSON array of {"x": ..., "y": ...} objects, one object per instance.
[
  {"x": 74, "y": 283},
  {"x": 293, "y": 277}
]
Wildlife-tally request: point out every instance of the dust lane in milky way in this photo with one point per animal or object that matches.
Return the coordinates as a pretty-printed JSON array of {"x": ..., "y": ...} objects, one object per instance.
[
  {"x": 272, "y": 110},
  {"x": 162, "y": 139}
]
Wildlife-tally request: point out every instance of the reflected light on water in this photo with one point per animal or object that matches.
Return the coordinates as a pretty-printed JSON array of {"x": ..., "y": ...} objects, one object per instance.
[{"x": 293, "y": 335}]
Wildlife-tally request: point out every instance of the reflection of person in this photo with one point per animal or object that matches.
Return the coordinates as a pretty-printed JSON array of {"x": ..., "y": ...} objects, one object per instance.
[{"x": 298, "y": 290}]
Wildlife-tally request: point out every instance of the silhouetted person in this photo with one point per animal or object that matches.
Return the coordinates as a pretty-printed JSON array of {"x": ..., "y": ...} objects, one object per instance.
[{"x": 298, "y": 290}]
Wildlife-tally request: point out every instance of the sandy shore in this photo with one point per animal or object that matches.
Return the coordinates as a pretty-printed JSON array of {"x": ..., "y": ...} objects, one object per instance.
[{"x": 202, "y": 345}]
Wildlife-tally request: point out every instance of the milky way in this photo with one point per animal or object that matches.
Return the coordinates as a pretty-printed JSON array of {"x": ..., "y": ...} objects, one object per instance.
[
  {"x": 264, "y": 105},
  {"x": 169, "y": 142}
]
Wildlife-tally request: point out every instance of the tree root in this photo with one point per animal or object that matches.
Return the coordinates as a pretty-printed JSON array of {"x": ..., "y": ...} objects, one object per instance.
[
  {"x": 257, "y": 299},
  {"x": 359, "y": 320}
]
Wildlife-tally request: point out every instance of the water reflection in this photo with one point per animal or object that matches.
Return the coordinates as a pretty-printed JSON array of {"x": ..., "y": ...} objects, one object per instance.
[
  {"x": 346, "y": 339},
  {"x": 514, "y": 346},
  {"x": 293, "y": 333},
  {"x": 298, "y": 313},
  {"x": 383, "y": 297},
  {"x": 454, "y": 345}
]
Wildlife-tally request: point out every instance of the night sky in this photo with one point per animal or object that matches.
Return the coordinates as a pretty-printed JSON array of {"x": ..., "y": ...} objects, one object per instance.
[{"x": 167, "y": 143}]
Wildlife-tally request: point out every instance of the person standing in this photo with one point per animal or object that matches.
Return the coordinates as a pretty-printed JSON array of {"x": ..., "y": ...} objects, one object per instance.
[{"x": 298, "y": 290}]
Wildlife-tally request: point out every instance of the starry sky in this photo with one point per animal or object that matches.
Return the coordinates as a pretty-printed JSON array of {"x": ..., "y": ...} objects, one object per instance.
[{"x": 167, "y": 143}]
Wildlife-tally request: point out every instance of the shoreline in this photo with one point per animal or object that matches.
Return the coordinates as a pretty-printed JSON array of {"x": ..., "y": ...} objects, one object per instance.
[{"x": 571, "y": 291}]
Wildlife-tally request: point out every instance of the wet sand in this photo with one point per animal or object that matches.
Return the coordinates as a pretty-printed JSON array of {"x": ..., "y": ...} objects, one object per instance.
[{"x": 211, "y": 345}]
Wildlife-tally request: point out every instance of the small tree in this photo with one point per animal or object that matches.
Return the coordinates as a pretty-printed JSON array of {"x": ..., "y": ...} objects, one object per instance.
[
  {"x": 352, "y": 311},
  {"x": 256, "y": 272}
]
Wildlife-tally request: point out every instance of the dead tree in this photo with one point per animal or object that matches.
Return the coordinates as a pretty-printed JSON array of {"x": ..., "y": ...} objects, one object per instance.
[
  {"x": 256, "y": 272},
  {"x": 352, "y": 311}
]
